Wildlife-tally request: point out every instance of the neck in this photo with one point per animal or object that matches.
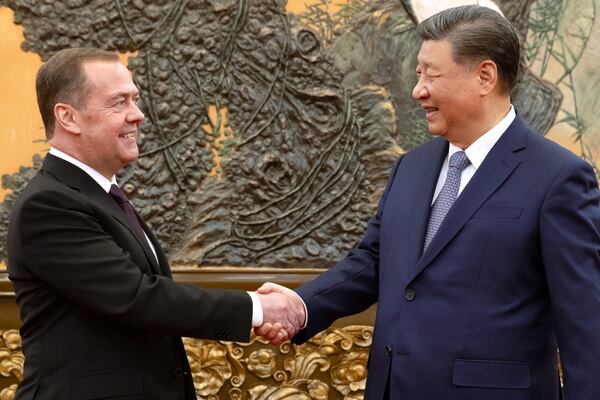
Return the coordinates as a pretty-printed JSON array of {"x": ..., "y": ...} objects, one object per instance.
[
  {"x": 61, "y": 145},
  {"x": 490, "y": 114},
  {"x": 77, "y": 155}
]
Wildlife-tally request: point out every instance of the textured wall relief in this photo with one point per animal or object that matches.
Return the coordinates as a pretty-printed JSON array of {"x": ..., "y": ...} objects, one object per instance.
[{"x": 268, "y": 136}]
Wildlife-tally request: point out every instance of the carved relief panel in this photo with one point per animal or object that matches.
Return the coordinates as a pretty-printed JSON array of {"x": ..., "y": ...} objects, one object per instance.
[{"x": 268, "y": 136}]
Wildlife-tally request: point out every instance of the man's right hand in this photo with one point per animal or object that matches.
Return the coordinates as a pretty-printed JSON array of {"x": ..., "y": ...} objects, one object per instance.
[{"x": 283, "y": 313}]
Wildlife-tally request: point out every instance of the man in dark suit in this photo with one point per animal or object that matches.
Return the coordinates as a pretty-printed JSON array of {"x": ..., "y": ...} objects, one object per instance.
[
  {"x": 484, "y": 254},
  {"x": 102, "y": 317}
]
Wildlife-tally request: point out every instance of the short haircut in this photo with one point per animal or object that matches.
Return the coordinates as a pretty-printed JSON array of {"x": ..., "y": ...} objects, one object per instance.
[
  {"x": 61, "y": 79},
  {"x": 477, "y": 33}
]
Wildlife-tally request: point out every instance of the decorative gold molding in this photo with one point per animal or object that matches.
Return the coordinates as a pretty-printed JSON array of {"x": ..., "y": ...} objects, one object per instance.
[
  {"x": 11, "y": 363},
  {"x": 8, "y": 393},
  {"x": 11, "y": 358},
  {"x": 332, "y": 365}
]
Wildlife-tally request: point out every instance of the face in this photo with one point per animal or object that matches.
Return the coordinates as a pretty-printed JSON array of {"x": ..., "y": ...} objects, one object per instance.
[
  {"x": 110, "y": 119},
  {"x": 449, "y": 93}
]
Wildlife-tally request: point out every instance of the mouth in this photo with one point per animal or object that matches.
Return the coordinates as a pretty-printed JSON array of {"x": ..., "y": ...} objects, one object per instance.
[
  {"x": 128, "y": 135},
  {"x": 429, "y": 111}
]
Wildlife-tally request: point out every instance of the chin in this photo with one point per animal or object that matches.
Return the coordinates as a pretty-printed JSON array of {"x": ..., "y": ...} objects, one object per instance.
[
  {"x": 436, "y": 132},
  {"x": 131, "y": 157}
]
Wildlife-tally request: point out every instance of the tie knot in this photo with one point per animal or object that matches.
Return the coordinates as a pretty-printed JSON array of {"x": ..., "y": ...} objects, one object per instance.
[
  {"x": 459, "y": 160},
  {"x": 117, "y": 194}
]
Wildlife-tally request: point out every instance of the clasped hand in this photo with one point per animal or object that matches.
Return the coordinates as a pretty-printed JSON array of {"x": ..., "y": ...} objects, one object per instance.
[{"x": 283, "y": 313}]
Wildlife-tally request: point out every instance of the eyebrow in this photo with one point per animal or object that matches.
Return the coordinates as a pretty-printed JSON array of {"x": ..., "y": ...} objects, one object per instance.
[{"x": 119, "y": 95}]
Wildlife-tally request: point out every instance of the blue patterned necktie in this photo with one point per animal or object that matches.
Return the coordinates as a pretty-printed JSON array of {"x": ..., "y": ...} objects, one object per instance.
[{"x": 446, "y": 197}]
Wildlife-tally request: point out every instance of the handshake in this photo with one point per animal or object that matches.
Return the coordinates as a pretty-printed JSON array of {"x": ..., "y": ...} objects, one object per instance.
[{"x": 284, "y": 313}]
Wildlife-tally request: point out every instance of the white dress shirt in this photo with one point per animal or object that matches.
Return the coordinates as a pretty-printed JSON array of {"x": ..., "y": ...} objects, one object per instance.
[{"x": 476, "y": 153}]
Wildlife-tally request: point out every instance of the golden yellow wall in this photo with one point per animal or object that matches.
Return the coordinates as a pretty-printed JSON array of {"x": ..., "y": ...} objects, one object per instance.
[{"x": 21, "y": 127}]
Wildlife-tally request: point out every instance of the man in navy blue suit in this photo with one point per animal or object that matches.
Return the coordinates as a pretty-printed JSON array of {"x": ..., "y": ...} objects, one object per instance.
[{"x": 484, "y": 254}]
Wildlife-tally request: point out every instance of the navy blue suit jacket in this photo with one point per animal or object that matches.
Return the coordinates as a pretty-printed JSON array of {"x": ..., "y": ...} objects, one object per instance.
[{"x": 513, "y": 272}]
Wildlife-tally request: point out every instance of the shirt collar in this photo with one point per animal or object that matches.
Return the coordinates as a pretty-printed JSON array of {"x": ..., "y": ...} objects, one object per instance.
[
  {"x": 480, "y": 148},
  {"x": 95, "y": 175}
]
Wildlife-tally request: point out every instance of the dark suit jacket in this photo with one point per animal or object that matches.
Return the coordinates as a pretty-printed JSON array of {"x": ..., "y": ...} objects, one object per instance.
[
  {"x": 101, "y": 318},
  {"x": 513, "y": 271}
]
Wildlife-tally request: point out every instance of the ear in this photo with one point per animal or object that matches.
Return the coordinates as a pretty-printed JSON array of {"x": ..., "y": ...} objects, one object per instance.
[
  {"x": 66, "y": 116},
  {"x": 487, "y": 75}
]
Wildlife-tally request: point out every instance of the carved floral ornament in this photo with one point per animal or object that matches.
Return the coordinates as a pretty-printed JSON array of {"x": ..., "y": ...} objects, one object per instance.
[
  {"x": 332, "y": 365},
  {"x": 254, "y": 371},
  {"x": 11, "y": 361}
]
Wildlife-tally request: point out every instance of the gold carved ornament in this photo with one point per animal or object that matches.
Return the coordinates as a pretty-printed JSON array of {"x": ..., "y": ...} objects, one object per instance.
[
  {"x": 11, "y": 361},
  {"x": 331, "y": 365}
]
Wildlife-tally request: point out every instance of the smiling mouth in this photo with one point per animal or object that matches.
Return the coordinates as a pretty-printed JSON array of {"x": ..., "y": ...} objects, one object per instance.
[
  {"x": 127, "y": 135},
  {"x": 429, "y": 112}
]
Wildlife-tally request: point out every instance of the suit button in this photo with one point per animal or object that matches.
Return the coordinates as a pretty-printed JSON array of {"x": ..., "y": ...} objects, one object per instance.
[
  {"x": 178, "y": 372},
  {"x": 409, "y": 295},
  {"x": 388, "y": 351}
]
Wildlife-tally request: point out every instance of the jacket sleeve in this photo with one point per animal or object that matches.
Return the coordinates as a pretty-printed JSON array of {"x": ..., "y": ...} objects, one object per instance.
[
  {"x": 349, "y": 287},
  {"x": 570, "y": 246},
  {"x": 59, "y": 242}
]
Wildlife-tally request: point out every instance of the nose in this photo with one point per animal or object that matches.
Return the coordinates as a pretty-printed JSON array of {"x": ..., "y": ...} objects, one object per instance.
[
  {"x": 135, "y": 115},
  {"x": 419, "y": 91}
]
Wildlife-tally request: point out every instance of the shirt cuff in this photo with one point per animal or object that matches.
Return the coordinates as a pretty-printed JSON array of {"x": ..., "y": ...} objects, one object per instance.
[
  {"x": 305, "y": 313},
  {"x": 257, "y": 312}
]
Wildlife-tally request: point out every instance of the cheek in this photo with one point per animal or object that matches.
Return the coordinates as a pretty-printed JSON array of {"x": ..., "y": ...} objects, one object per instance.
[{"x": 460, "y": 101}]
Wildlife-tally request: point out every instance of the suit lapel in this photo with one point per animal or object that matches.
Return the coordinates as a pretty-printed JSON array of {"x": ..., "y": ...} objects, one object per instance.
[
  {"x": 109, "y": 204},
  {"x": 500, "y": 162},
  {"x": 163, "y": 264},
  {"x": 429, "y": 165},
  {"x": 77, "y": 179},
  {"x": 143, "y": 242}
]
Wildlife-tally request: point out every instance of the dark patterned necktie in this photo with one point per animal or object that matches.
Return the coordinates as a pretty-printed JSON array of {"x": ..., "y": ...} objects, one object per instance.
[
  {"x": 117, "y": 194},
  {"x": 446, "y": 197}
]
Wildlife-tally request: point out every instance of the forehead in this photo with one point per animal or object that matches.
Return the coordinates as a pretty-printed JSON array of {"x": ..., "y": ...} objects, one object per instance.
[
  {"x": 435, "y": 53},
  {"x": 108, "y": 77}
]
